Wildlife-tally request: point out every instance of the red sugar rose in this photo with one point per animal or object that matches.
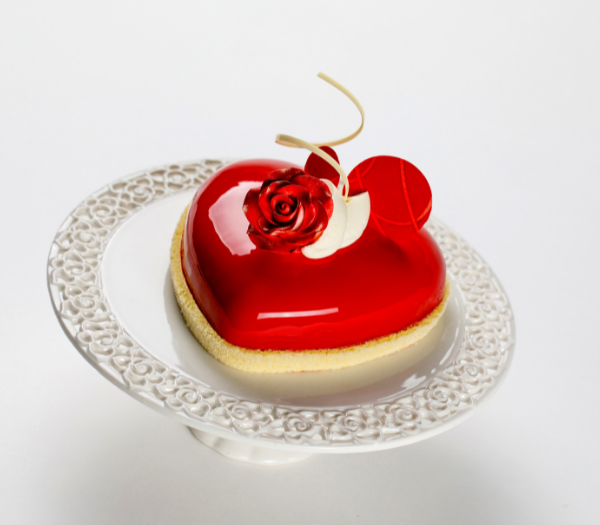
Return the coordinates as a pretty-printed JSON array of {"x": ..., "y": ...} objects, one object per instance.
[{"x": 289, "y": 211}]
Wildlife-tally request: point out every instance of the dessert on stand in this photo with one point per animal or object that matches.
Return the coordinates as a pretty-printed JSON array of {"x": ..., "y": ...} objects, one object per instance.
[
  {"x": 111, "y": 285},
  {"x": 279, "y": 268}
]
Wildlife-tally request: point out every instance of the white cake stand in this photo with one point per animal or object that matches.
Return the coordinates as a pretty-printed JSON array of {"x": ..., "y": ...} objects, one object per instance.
[{"x": 108, "y": 276}]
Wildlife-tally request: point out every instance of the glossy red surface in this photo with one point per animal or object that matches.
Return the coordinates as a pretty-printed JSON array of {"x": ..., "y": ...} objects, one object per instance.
[{"x": 264, "y": 300}]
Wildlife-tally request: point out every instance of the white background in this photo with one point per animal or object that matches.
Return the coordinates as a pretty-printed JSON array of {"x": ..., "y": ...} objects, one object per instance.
[{"x": 496, "y": 102}]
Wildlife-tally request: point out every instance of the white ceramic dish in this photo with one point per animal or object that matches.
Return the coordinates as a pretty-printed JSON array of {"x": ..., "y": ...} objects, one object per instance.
[{"x": 108, "y": 276}]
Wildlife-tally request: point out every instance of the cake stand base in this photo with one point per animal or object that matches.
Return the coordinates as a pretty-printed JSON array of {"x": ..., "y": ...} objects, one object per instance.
[{"x": 248, "y": 453}]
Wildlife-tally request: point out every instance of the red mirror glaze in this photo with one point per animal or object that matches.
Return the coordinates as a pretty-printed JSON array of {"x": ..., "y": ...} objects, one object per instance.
[{"x": 265, "y": 300}]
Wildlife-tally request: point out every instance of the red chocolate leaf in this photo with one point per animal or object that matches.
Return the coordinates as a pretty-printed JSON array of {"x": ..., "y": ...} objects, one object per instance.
[
  {"x": 320, "y": 168},
  {"x": 400, "y": 195}
]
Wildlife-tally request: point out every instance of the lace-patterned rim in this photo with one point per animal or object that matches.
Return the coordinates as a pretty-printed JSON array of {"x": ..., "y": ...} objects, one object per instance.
[{"x": 75, "y": 286}]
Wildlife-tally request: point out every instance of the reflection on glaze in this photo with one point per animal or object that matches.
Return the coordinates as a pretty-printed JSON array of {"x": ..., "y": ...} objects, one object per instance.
[
  {"x": 287, "y": 315},
  {"x": 376, "y": 286},
  {"x": 229, "y": 220}
]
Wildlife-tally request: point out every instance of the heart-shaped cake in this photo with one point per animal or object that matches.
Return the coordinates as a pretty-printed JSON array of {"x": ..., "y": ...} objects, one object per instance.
[{"x": 279, "y": 268}]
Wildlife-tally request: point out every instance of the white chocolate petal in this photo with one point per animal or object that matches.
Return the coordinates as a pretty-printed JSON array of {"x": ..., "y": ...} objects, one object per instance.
[
  {"x": 359, "y": 209},
  {"x": 333, "y": 236}
]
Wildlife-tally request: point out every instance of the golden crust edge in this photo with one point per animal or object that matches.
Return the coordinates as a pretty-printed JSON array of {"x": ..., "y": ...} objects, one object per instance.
[{"x": 281, "y": 361}]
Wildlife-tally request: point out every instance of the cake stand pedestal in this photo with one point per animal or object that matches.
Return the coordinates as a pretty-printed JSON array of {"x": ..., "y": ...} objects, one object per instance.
[{"x": 245, "y": 452}]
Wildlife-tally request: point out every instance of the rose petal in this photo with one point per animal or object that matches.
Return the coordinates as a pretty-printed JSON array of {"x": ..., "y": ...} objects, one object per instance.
[
  {"x": 266, "y": 242},
  {"x": 283, "y": 174},
  {"x": 294, "y": 191},
  {"x": 251, "y": 208},
  {"x": 279, "y": 201},
  {"x": 309, "y": 233},
  {"x": 268, "y": 228},
  {"x": 265, "y": 194},
  {"x": 317, "y": 189},
  {"x": 299, "y": 218}
]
